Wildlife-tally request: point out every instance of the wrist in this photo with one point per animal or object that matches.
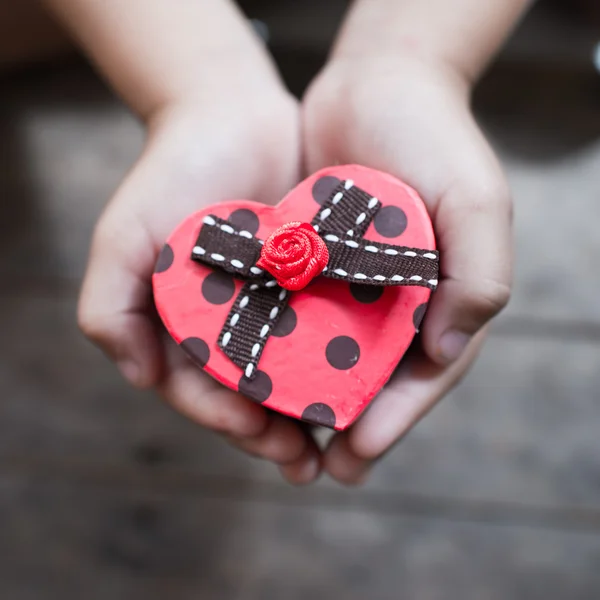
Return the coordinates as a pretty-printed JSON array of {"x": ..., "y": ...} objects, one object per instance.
[
  {"x": 245, "y": 109},
  {"x": 401, "y": 76},
  {"x": 461, "y": 36},
  {"x": 242, "y": 138}
]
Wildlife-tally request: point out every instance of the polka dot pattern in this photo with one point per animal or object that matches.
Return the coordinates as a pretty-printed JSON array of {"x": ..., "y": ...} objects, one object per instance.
[
  {"x": 390, "y": 221},
  {"x": 165, "y": 259},
  {"x": 244, "y": 218},
  {"x": 197, "y": 349},
  {"x": 319, "y": 414},
  {"x": 286, "y": 324},
  {"x": 342, "y": 352},
  {"x": 218, "y": 287},
  {"x": 258, "y": 389},
  {"x": 418, "y": 316},
  {"x": 323, "y": 188},
  {"x": 366, "y": 294}
]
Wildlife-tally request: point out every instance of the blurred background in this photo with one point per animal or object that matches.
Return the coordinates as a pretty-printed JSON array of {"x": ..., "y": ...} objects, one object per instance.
[{"x": 107, "y": 493}]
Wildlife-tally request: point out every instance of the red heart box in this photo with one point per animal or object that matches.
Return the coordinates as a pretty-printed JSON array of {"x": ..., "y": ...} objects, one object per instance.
[{"x": 336, "y": 344}]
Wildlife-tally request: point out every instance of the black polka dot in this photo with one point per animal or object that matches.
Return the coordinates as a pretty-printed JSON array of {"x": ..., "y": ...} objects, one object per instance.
[
  {"x": 165, "y": 259},
  {"x": 390, "y": 221},
  {"x": 319, "y": 414},
  {"x": 218, "y": 287},
  {"x": 323, "y": 188},
  {"x": 342, "y": 352},
  {"x": 257, "y": 389},
  {"x": 244, "y": 218},
  {"x": 418, "y": 315},
  {"x": 286, "y": 324},
  {"x": 367, "y": 294},
  {"x": 197, "y": 349}
]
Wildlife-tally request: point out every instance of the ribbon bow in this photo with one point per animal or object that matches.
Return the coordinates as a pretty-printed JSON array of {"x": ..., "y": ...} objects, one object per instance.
[{"x": 340, "y": 253}]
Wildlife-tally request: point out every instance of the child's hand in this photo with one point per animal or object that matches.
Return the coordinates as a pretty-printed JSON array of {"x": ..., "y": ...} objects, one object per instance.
[
  {"x": 395, "y": 96},
  {"x": 193, "y": 158},
  {"x": 413, "y": 120},
  {"x": 220, "y": 126}
]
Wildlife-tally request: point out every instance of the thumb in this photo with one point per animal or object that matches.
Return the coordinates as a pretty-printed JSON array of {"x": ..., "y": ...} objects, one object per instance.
[
  {"x": 473, "y": 225},
  {"x": 115, "y": 302}
]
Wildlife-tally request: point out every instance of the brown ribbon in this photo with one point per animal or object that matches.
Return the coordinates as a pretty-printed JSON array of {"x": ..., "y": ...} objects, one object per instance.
[{"x": 341, "y": 222}]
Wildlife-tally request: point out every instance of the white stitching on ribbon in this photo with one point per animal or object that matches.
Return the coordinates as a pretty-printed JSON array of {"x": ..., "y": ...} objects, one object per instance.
[
  {"x": 381, "y": 278},
  {"x": 238, "y": 264},
  {"x": 256, "y": 349},
  {"x": 374, "y": 249}
]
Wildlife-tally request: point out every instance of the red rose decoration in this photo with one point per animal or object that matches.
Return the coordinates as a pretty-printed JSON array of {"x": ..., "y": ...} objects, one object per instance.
[{"x": 294, "y": 254}]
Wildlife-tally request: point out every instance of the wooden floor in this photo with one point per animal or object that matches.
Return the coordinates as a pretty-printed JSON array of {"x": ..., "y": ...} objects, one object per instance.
[{"x": 106, "y": 493}]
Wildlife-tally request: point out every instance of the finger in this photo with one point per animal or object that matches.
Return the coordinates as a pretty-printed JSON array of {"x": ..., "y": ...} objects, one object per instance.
[
  {"x": 115, "y": 298},
  {"x": 343, "y": 464},
  {"x": 305, "y": 469},
  {"x": 286, "y": 443},
  {"x": 473, "y": 224},
  {"x": 413, "y": 391},
  {"x": 207, "y": 402}
]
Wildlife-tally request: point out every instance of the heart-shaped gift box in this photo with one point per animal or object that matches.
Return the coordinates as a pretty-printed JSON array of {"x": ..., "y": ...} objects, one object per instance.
[{"x": 319, "y": 353}]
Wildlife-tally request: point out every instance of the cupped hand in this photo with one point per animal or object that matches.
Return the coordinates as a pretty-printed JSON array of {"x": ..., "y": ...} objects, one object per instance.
[
  {"x": 241, "y": 143},
  {"x": 413, "y": 120},
  {"x": 409, "y": 120}
]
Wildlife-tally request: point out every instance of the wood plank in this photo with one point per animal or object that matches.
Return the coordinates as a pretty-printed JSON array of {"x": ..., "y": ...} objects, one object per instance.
[
  {"x": 71, "y": 143},
  {"x": 63, "y": 541}
]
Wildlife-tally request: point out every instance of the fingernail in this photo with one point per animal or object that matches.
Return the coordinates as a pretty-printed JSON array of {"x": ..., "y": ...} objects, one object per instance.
[
  {"x": 453, "y": 344},
  {"x": 130, "y": 370}
]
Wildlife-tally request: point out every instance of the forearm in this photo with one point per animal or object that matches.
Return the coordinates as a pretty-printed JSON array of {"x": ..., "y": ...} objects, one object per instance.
[
  {"x": 155, "y": 52},
  {"x": 463, "y": 34}
]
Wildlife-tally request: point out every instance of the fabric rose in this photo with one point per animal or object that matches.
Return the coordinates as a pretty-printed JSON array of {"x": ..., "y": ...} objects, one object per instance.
[{"x": 294, "y": 254}]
